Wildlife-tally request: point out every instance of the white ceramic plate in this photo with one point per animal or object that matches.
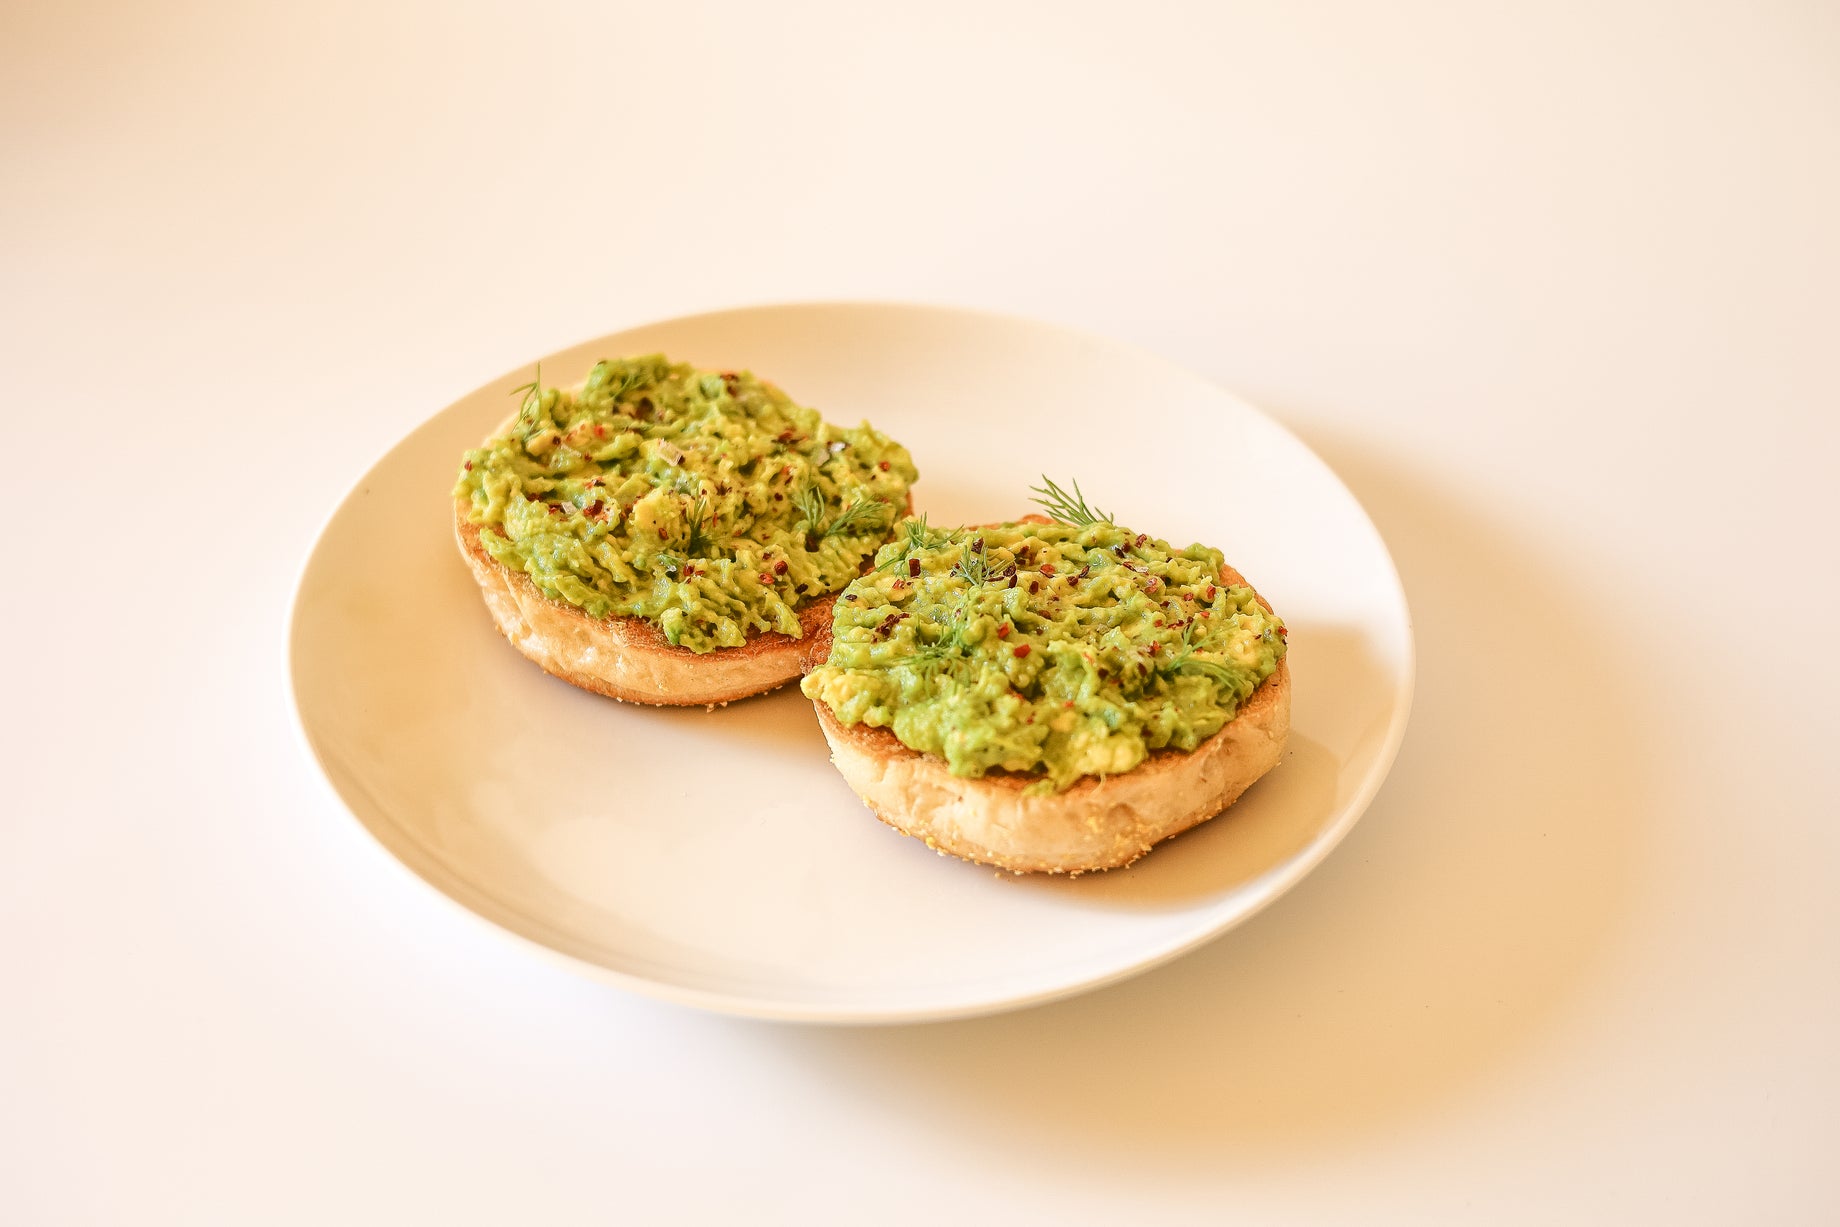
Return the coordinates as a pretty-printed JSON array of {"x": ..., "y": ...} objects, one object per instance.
[{"x": 716, "y": 858}]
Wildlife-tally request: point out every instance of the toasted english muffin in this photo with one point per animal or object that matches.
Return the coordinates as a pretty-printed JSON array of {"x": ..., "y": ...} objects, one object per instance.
[
  {"x": 629, "y": 658},
  {"x": 1022, "y": 819},
  {"x": 661, "y": 534}
]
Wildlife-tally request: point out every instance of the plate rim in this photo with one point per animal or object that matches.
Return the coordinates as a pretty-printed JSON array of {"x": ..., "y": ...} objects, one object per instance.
[{"x": 742, "y": 1005}]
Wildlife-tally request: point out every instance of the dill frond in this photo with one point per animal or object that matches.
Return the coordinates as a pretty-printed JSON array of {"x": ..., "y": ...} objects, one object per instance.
[
  {"x": 1214, "y": 671},
  {"x": 1065, "y": 507},
  {"x": 864, "y": 514},
  {"x": 919, "y": 535},
  {"x": 697, "y": 523},
  {"x": 811, "y": 505},
  {"x": 529, "y": 392},
  {"x": 1185, "y": 662},
  {"x": 948, "y": 646},
  {"x": 973, "y": 564}
]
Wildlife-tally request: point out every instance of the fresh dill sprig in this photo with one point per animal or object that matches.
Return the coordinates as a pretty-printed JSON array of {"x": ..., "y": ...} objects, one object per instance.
[
  {"x": 1214, "y": 671},
  {"x": 635, "y": 376},
  {"x": 1186, "y": 652},
  {"x": 949, "y": 645},
  {"x": 1065, "y": 507},
  {"x": 811, "y": 505},
  {"x": 862, "y": 515},
  {"x": 973, "y": 564},
  {"x": 697, "y": 541},
  {"x": 532, "y": 389},
  {"x": 919, "y": 536}
]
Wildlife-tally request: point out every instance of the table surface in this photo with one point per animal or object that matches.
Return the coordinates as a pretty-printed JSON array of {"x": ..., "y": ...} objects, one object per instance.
[{"x": 1553, "y": 290}]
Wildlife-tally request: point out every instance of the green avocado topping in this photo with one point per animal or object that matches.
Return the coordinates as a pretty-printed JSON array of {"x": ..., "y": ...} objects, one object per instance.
[
  {"x": 1061, "y": 650},
  {"x": 705, "y": 502}
]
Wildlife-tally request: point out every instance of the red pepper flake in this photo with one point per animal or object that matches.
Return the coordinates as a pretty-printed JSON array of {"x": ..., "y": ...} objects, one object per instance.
[
  {"x": 1207, "y": 593},
  {"x": 600, "y": 432},
  {"x": 1158, "y": 622},
  {"x": 778, "y": 497},
  {"x": 594, "y": 508},
  {"x": 594, "y": 481},
  {"x": 766, "y": 577},
  {"x": 555, "y": 508},
  {"x": 1047, "y": 568},
  {"x": 1141, "y": 538},
  {"x": 1068, "y": 703},
  {"x": 913, "y": 567},
  {"x": 1283, "y": 631},
  {"x": 883, "y": 466},
  {"x": 1155, "y": 648},
  {"x": 1012, "y": 579},
  {"x": 469, "y": 466},
  {"x": 1020, "y": 650},
  {"x": 1003, "y": 631},
  {"x": 784, "y": 436},
  {"x": 801, "y": 588},
  {"x": 779, "y": 566},
  {"x": 1034, "y": 585}
]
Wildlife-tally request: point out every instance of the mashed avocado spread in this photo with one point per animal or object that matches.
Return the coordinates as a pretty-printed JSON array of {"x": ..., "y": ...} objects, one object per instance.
[
  {"x": 1061, "y": 650},
  {"x": 706, "y": 502}
]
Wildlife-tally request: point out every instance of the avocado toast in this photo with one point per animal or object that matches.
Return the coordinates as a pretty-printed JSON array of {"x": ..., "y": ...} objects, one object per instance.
[
  {"x": 1050, "y": 695},
  {"x": 669, "y": 535}
]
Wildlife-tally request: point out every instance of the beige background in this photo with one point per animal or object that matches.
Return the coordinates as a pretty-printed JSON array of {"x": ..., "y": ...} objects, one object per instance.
[{"x": 1553, "y": 287}]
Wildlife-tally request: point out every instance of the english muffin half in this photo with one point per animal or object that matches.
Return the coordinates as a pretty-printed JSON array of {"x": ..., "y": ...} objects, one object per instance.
[
  {"x": 669, "y": 535},
  {"x": 1050, "y": 696}
]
